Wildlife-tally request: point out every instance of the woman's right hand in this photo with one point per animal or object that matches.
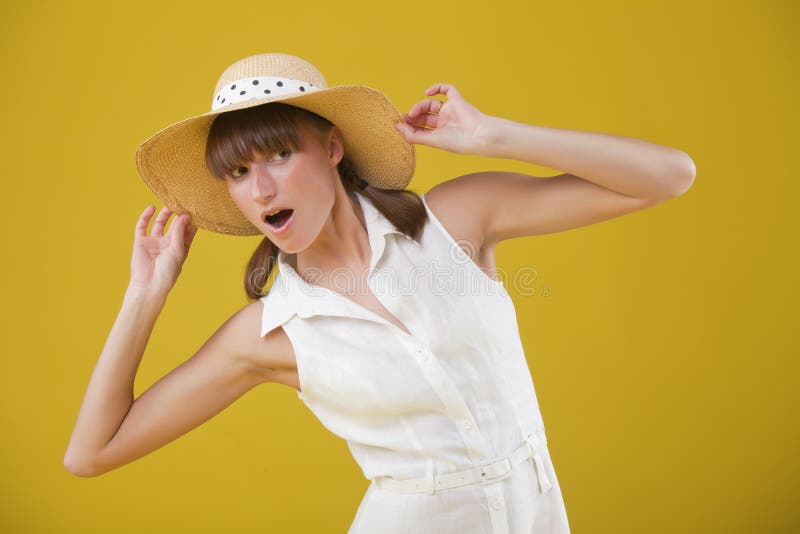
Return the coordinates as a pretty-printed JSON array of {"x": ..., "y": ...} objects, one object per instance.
[{"x": 157, "y": 258}]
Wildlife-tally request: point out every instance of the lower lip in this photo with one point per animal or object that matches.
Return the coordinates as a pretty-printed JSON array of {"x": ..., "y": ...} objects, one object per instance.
[{"x": 282, "y": 229}]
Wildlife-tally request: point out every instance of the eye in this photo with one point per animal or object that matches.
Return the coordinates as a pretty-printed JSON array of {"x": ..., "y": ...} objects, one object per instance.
[
  {"x": 283, "y": 154},
  {"x": 238, "y": 171}
]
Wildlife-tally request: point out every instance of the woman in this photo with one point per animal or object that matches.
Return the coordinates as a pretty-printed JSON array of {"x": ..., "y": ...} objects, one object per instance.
[{"x": 426, "y": 380}]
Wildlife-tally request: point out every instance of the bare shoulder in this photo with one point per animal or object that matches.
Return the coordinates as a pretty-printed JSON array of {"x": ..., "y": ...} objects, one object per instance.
[
  {"x": 458, "y": 205},
  {"x": 265, "y": 355},
  {"x": 452, "y": 203}
]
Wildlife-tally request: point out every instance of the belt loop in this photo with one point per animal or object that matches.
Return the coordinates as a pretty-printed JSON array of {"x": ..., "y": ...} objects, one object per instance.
[{"x": 536, "y": 446}]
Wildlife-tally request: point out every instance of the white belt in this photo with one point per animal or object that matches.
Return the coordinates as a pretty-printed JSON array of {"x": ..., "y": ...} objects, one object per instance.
[{"x": 531, "y": 449}]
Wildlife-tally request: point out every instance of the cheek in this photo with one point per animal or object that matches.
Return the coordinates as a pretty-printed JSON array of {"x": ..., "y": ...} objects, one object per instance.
[{"x": 238, "y": 195}]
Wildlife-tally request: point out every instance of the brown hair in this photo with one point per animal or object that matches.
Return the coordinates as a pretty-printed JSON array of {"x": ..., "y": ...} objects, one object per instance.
[{"x": 269, "y": 128}]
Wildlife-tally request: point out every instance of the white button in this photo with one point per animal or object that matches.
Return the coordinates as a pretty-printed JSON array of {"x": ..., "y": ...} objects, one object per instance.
[
  {"x": 467, "y": 425},
  {"x": 496, "y": 504}
]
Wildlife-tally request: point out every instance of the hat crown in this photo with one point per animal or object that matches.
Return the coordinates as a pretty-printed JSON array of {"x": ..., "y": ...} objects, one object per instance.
[{"x": 272, "y": 64}]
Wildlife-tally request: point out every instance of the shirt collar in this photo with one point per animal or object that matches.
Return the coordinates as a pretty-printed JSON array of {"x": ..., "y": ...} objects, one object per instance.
[{"x": 290, "y": 294}]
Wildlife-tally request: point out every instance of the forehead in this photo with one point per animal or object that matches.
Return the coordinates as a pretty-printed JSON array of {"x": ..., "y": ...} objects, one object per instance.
[{"x": 308, "y": 137}]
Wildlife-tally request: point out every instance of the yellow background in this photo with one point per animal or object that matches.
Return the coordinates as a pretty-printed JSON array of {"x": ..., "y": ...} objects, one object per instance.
[{"x": 663, "y": 344}]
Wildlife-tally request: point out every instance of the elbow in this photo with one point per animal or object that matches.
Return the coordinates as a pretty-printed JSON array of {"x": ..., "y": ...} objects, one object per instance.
[
  {"x": 685, "y": 174},
  {"x": 680, "y": 176},
  {"x": 79, "y": 467}
]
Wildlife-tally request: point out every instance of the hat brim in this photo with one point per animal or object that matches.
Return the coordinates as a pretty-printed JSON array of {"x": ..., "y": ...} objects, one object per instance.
[{"x": 172, "y": 161}]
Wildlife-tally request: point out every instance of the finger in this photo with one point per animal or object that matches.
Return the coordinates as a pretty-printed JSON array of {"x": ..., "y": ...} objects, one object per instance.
[
  {"x": 144, "y": 218},
  {"x": 184, "y": 231},
  {"x": 414, "y": 123},
  {"x": 414, "y": 135},
  {"x": 428, "y": 105},
  {"x": 442, "y": 88},
  {"x": 176, "y": 230},
  {"x": 189, "y": 233},
  {"x": 428, "y": 120},
  {"x": 161, "y": 220}
]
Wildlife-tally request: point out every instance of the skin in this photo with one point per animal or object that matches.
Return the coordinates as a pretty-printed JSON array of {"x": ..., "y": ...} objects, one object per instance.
[
  {"x": 605, "y": 176},
  {"x": 327, "y": 231}
]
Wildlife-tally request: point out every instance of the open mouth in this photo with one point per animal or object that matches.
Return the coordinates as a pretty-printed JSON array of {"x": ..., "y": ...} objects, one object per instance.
[{"x": 278, "y": 220}]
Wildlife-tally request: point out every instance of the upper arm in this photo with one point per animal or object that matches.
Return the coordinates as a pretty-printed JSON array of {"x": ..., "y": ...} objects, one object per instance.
[
  {"x": 507, "y": 205},
  {"x": 220, "y": 372}
]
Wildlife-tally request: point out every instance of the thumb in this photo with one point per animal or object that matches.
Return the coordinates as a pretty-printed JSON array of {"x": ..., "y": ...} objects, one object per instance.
[
  {"x": 177, "y": 230},
  {"x": 411, "y": 134}
]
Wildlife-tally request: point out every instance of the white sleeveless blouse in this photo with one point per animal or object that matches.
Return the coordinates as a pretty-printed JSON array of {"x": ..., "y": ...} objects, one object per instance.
[{"x": 455, "y": 394}]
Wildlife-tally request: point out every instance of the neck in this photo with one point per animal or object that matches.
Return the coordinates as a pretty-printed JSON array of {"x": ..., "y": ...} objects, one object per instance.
[{"x": 343, "y": 243}]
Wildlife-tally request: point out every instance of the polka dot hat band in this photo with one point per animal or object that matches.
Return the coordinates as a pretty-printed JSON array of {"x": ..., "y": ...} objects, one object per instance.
[
  {"x": 172, "y": 161},
  {"x": 248, "y": 88}
]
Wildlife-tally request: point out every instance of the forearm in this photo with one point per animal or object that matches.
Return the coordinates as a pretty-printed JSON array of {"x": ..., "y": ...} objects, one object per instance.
[
  {"x": 633, "y": 167},
  {"x": 109, "y": 394}
]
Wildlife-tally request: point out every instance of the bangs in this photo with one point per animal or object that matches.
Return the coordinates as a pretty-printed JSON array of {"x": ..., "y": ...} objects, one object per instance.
[{"x": 236, "y": 135}]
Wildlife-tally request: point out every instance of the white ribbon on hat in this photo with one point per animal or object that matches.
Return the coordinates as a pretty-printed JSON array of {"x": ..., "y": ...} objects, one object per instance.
[{"x": 259, "y": 87}]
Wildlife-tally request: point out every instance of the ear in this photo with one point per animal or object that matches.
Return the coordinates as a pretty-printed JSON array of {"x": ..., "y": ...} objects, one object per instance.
[{"x": 335, "y": 146}]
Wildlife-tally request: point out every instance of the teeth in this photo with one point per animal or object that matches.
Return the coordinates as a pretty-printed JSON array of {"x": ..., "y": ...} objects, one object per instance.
[{"x": 273, "y": 212}]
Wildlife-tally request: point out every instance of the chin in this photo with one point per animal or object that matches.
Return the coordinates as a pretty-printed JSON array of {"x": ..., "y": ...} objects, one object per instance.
[{"x": 287, "y": 249}]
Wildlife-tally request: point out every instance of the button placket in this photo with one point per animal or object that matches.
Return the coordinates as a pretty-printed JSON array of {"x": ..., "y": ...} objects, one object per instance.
[
  {"x": 496, "y": 502},
  {"x": 454, "y": 403}
]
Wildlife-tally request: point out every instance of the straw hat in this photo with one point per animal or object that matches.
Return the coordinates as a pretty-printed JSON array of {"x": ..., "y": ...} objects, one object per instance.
[{"x": 172, "y": 161}]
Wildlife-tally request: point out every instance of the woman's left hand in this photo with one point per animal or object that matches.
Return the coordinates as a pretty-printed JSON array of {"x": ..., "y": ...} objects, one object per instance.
[{"x": 453, "y": 125}]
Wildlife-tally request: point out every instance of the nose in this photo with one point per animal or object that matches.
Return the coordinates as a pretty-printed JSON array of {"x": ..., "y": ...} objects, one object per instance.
[{"x": 262, "y": 185}]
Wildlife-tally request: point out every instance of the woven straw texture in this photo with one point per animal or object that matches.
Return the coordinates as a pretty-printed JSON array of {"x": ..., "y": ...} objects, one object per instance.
[{"x": 172, "y": 161}]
